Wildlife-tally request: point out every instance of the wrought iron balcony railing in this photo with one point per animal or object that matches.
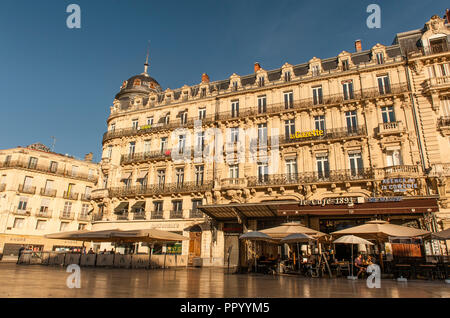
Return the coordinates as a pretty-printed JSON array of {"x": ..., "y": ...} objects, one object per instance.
[
  {"x": 139, "y": 216},
  {"x": 70, "y": 195},
  {"x": 66, "y": 215},
  {"x": 48, "y": 192},
  {"x": 83, "y": 217},
  {"x": 44, "y": 214},
  {"x": 25, "y": 212},
  {"x": 195, "y": 214},
  {"x": 27, "y": 189},
  {"x": 176, "y": 214},
  {"x": 85, "y": 197},
  {"x": 157, "y": 215},
  {"x": 156, "y": 189},
  {"x": 145, "y": 156},
  {"x": 122, "y": 216}
]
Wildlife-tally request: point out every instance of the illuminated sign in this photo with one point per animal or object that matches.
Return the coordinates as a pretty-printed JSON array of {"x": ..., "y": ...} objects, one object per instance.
[
  {"x": 306, "y": 134},
  {"x": 399, "y": 184},
  {"x": 384, "y": 199},
  {"x": 332, "y": 201}
]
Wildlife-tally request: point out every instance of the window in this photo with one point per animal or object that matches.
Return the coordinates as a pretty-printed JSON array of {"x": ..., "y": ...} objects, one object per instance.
[
  {"x": 23, "y": 201},
  {"x": 380, "y": 58},
  {"x": 200, "y": 146},
  {"x": 134, "y": 124},
  {"x": 235, "y": 85},
  {"x": 388, "y": 114},
  {"x": 127, "y": 179},
  {"x": 105, "y": 182},
  {"x": 48, "y": 186},
  {"x": 179, "y": 174},
  {"x": 347, "y": 88},
  {"x": 18, "y": 223},
  {"x": 323, "y": 167},
  {"x": 146, "y": 146},
  {"x": 158, "y": 206},
  {"x": 149, "y": 121},
  {"x": 183, "y": 118},
  {"x": 67, "y": 208},
  {"x": 161, "y": 177},
  {"x": 163, "y": 144},
  {"x": 74, "y": 171},
  {"x": 41, "y": 224},
  {"x": 7, "y": 160},
  {"x": 445, "y": 104},
  {"x": 384, "y": 86},
  {"x": 44, "y": 206},
  {"x": 233, "y": 171},
  {"x": 181, "y": 143},
  {"x": 291, "y": 168},
  {"x": 262, "y": 104},
  {"x": 63, "y": 227},
  {"x": 112, "y": 128},
  {"x": 87, "y": 192},
  {"x": 350, "y": 117},
  {"x": 393, "y": 158},
  {"x": 262, "y": 134},
  {"x": 195, "y": 205},
  {"x": 261, "y": 81},
  {"x": 288, "y": 100},
  {"x": 287, "y": 76},
  {"x": 444, "y": 69},
  {"x": 142, "y": 179},
  {"x": 177, "y": 206},
  {"x": 201, "y": 113},
  {"x": 167, "y": 119},
  {"x": 438, "y": 45},
  {"x": 131, "y": 148},
  {"x": 32, "y": 163},
  {"x": 315, "y": 70},
  {"x": 235, "y": 108},
  {"x": 81, "y": 226},
  {"x": 356, "y": 164},
  {"x": 263, "y": 172},
  {"x": 289, "y": 128},
  {"x": 234, "y": 134},
  {"x": 109, "y": 152},
  {"x": 199, "y": 173},
  {"x": 345, "y": 65},
  {"x": 84, "y": 210},
  {"x": 203, "y": 93},
  {"x": 319, "y": 122},
  {"x": 28, "y": 181},
  {"x": 317, "y": 95}
]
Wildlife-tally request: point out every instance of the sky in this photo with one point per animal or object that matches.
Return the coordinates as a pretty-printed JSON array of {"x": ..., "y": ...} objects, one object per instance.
[{"x": 61, "y": 82}]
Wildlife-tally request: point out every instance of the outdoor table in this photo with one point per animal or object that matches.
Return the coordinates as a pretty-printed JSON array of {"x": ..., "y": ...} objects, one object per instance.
[
  {"x": 428, "y": 269},
  {"x": 401, "y": 269}
]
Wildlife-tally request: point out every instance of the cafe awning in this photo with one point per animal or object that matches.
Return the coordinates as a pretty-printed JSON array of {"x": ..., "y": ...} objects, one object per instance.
[{"x": 121, "y": 206}]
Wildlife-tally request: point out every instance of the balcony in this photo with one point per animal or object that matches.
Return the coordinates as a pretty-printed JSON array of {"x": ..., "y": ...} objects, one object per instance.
[
  {"x": 146, "y": 156},
  {"x": 66, "y": 215},
  {"x": 70, "y": 195},
  {"x": 399, "y": 171},
  {"x": 48, "y": 192},
  {"x": 233, "y": 183},
  {"x": 26, "y": 212},
  {"x": 176, "y": 214},
  {"x": 85, "y": 197},
  {"x": 437, "y": 83},
  {"x": 99, "y": 194},
  {"x": 97, "y": 217},
  {"x": 83, "y": 217},
  {"x": 437, "y": 48},
  {"x": 2, "y": 187},
  {"x": 440, "y": 169},
  {"x": 122, "y": 216},
  {"x": 395, "y": 127},
  {"x": 44, "y": 214},
  {"x": 157, "y": 215},
  {"x": 139, "y": 216},
  {"x": 195, "y": 214},
  {"x": 155, "y": 189},
  {"x": 21, "y": 164},
  {"x": 27, "y": 189},
  {"x": 327, "y": 134},
  {"x": 311, "y": 177}
]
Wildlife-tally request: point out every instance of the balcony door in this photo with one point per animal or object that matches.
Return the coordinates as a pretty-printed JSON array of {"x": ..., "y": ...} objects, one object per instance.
[
  {"x": 234, "y": 172},
  {"x": 263, "y": 172},
  {"x": 351, "y": 120},
  {"x": 388, "y": 114},
  {"x": 356, "y": 164},
  {"x": 393, "y": 158},
  {"x": 323, "y": 167}
]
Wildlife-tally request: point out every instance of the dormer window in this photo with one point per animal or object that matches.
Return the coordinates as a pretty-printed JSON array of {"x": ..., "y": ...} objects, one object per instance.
[
  {"x": 261, "y": 81},
  {"x": 287, "y": 76},
  {"x": 380, "y": 58},
  {"x": 183, "y": 118},
  {"x": 235, "y": 85},
  {"x": 438, "y": 45},
  {"x": 203, "y": 93},
  {"x": 167, "y": 119},
  {"x": 315, "y": 70},
  {"x": 137, "y": 82},
  {"x": 345, "y": 66}
]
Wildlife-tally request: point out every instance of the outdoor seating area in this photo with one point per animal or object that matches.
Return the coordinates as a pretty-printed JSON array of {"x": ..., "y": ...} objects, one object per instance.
[{"x": 399, "y": 251}]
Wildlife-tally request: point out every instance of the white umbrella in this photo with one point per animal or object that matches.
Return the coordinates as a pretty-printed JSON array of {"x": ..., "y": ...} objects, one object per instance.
[
  {"x": 255, "y": 236},
  {"x": 351, "y": 239}
]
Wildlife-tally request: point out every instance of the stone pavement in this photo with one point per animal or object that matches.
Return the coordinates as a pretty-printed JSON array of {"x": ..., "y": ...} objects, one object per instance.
[{"x": 50, "y": 281}]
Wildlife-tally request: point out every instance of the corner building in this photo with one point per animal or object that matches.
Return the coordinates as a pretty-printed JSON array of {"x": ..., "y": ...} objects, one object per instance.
[{"x": 337, "y": 142}]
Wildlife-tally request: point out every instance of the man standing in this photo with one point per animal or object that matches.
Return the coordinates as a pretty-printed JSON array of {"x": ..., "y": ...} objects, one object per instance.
[{"x": 21, "y": 249}]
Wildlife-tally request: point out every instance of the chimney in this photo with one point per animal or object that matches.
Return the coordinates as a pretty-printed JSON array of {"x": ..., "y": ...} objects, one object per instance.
[
  {"x": 88, "y": 157},
  {"x": 358, "y": 46},
  {"x": 205, "y": 78},
  {"x": 257, "y": 67}
]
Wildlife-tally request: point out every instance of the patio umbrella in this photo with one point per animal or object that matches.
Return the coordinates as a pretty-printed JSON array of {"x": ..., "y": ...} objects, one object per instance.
[
  {"x": 255, "y": 236},
  {"x": 65, "y": 235},
  {"x": 290, "y": 228},
  {"x": 380, "y": 230},
  {"x": 147, "y": 235},
  {"x": 442, "y": 235},
  {"x": 297, "y": 238},
  {"x": 351, "y": 239}
]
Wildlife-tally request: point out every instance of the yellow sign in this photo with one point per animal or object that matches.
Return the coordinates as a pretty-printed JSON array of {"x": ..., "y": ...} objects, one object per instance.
[{"x": 305, "y": 134}]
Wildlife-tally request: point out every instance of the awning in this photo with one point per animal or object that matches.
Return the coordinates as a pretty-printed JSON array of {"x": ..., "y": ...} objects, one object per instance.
[
  {"x": 138, "y": 205},
  {"x": 125, "y": 176},
  {"x": 142, "y": 175},
  {"x": 122, "y": 206}
]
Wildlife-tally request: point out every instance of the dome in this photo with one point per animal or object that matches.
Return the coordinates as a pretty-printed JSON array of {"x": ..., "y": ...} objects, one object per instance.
[{"x": 142, "y": 83}]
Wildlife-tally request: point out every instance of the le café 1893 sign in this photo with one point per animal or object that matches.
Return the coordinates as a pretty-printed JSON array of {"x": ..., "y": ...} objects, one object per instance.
[{"x": 399, "y": 184}]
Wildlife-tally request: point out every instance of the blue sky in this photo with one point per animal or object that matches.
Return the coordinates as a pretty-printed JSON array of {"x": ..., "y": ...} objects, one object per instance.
[{"x": 60, "y": 82}]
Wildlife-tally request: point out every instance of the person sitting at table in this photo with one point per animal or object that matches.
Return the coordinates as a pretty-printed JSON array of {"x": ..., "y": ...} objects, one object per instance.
[
  {"x": 262, "y": 258},
  {"x": 359, "y": 265}
]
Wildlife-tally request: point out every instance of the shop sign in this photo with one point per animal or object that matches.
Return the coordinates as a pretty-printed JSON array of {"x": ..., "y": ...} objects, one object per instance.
[
  {"x": 332, "y": 201},
  {"x": 399, "y": 184},
  {"x": 306, "y": 134},
  {"x": 384, "y": 199}
]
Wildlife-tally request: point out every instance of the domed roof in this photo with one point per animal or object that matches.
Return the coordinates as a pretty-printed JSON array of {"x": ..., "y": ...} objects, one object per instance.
[{"x": 142, "y": 83}]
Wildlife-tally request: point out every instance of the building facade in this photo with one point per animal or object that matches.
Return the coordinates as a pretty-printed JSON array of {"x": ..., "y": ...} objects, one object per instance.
[
  {"x": 332, "y": 143},
  {"x": 42, "y": 192}
]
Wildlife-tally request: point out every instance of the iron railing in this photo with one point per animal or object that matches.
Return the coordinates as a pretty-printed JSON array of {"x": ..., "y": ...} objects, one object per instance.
[
  {"x": 83, "y": 217},
  {"x": 70, "y": 195},
  {"x": 48, "y": 192},
  {"x": 176, "y": 214},
  {"x": 157, "y": 215},
  {"x": 156, "y": 189},
  {"x": 139, "y": 216},
  {"x": 66, "y": 215},
  {"x": 27, "y": 189},
  {"x": 18, "y": 211},
  {"x": 195, "y": 214},
  {"x": 44, "y": 214},
  {"x": 85, "y": 197}
]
